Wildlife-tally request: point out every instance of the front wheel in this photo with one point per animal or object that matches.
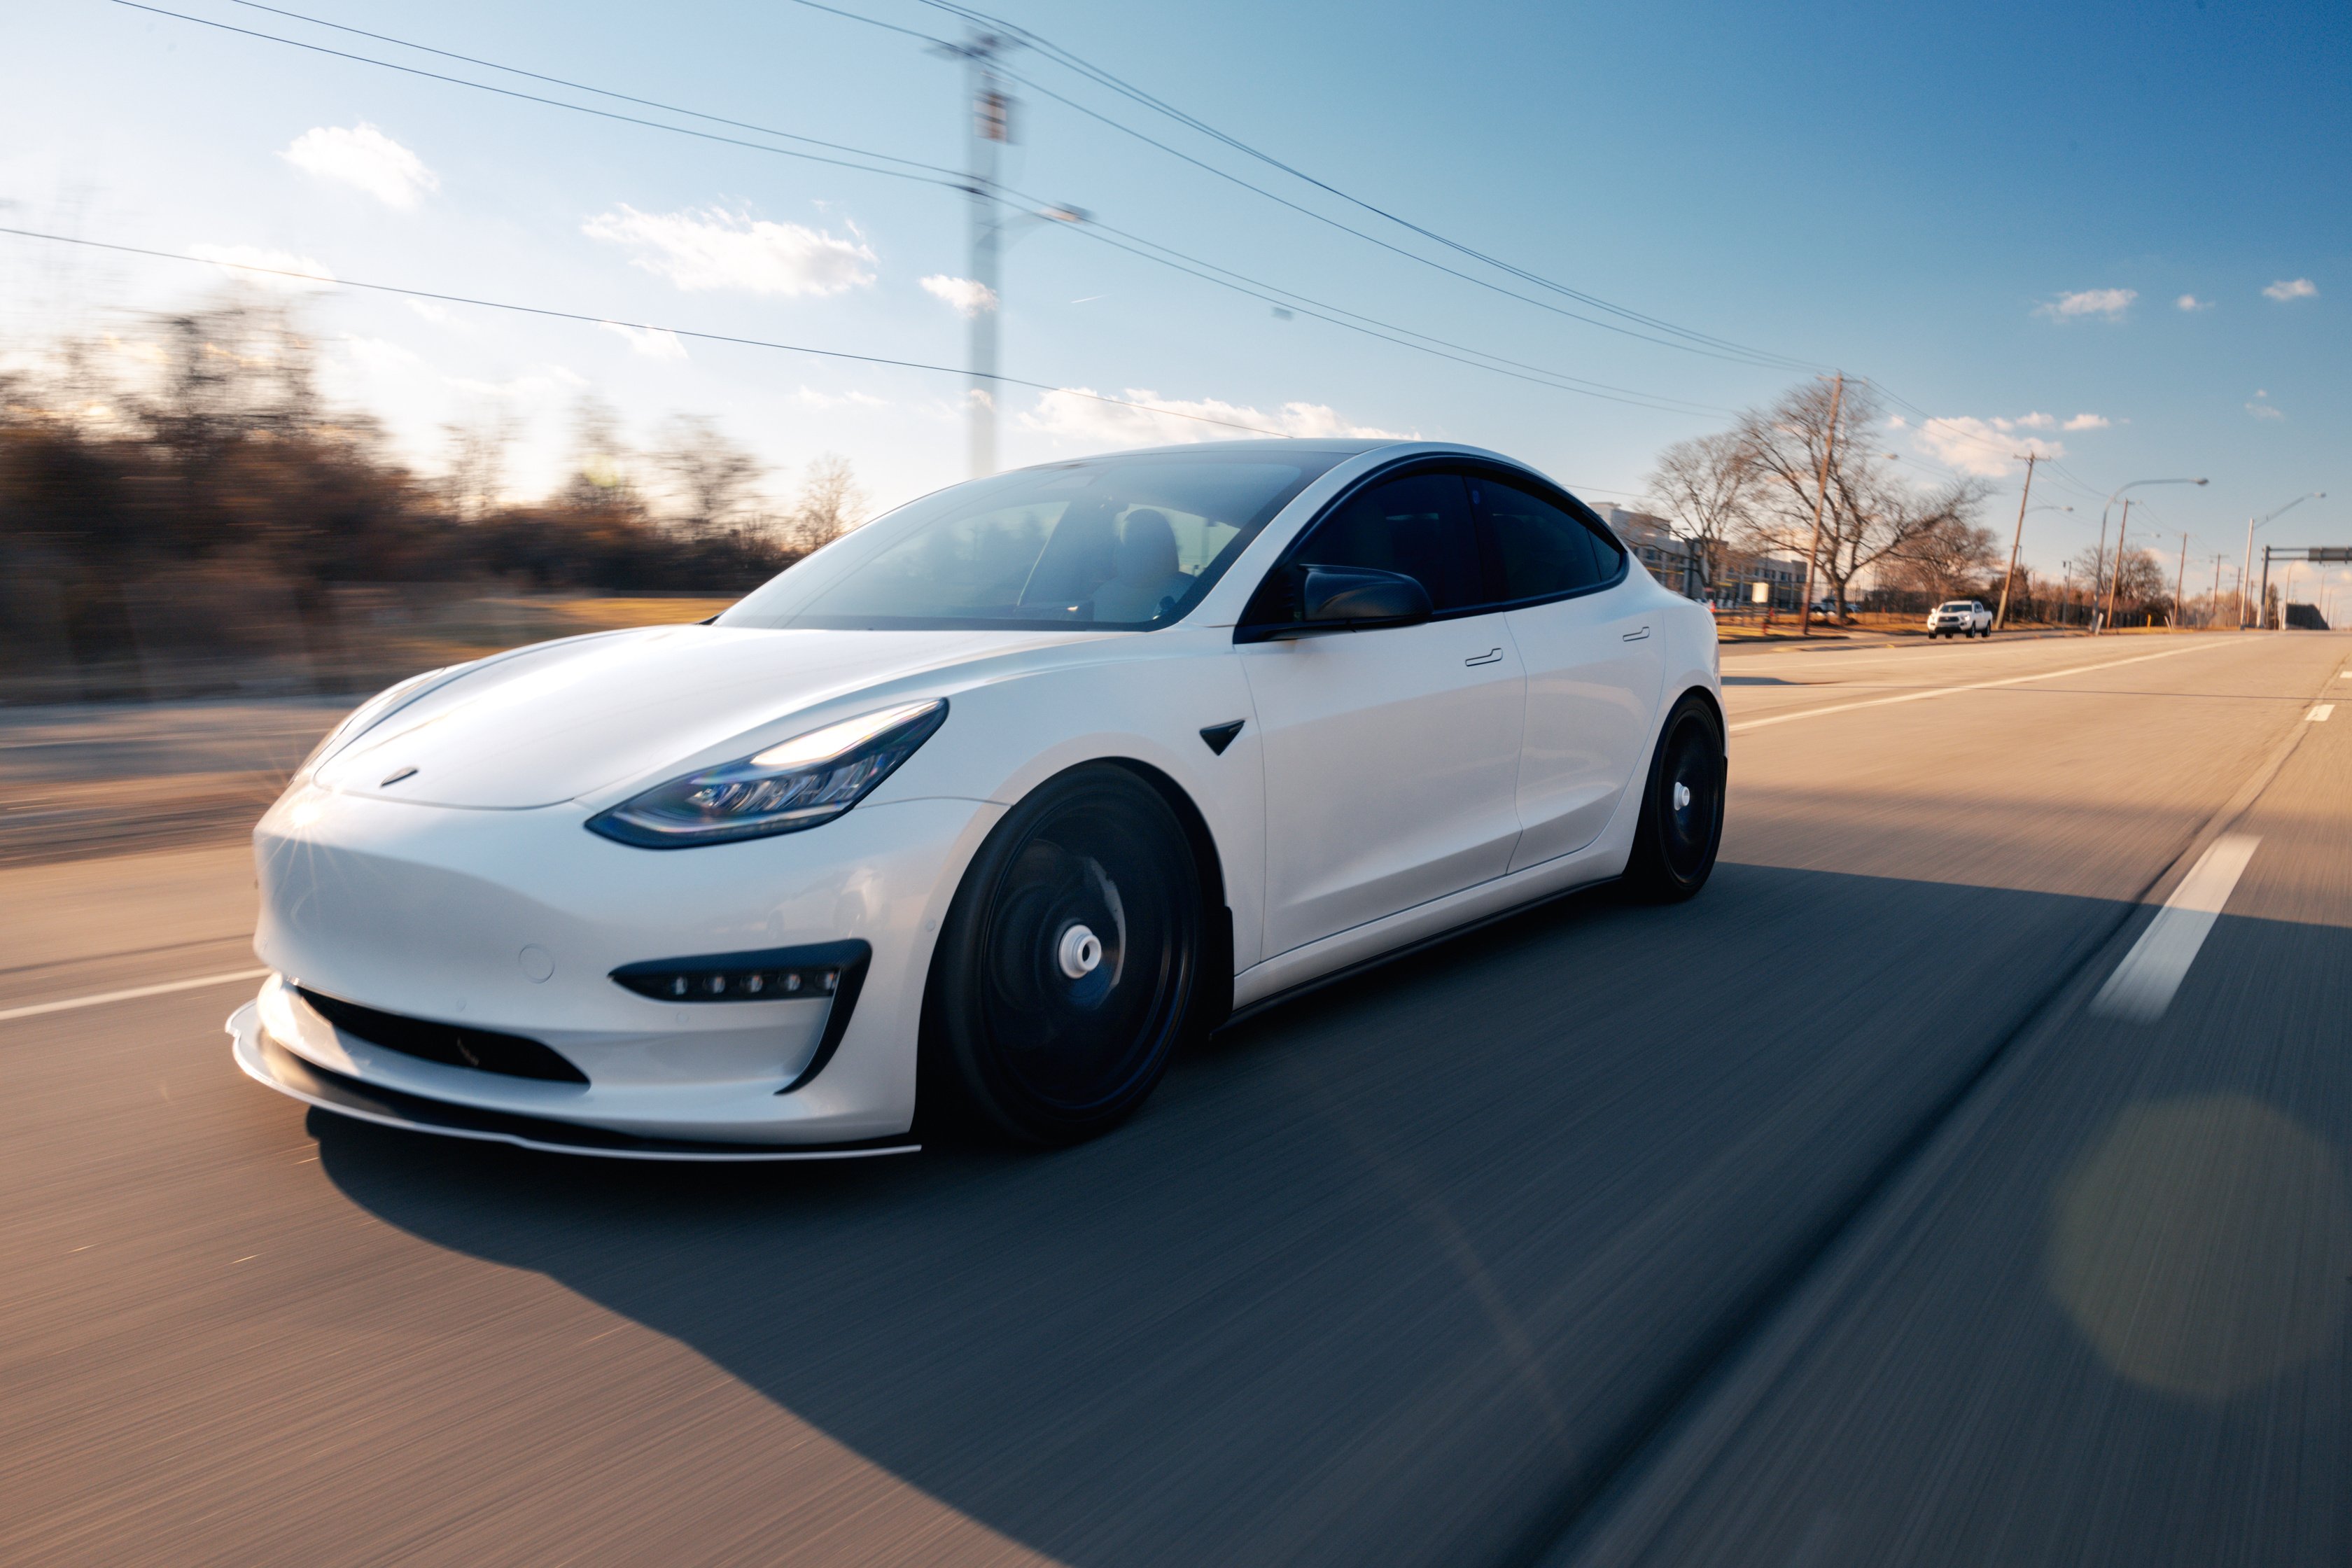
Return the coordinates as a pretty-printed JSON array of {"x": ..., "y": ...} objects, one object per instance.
[
  {"x": 1681, "y": 825},
  {"x": 1068, "y": 965}
]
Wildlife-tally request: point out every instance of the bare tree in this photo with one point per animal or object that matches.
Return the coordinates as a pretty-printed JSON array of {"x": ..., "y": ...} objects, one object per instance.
[
  {"x": 475, "y": 482},
  {"x": 831, "y": 503},
  {"x": 2140, "y": 581},
  {"x": 1811, "y": 447},
  {"x": 713, "y": 481},
  {"x": 1704, "y": 489},
  {"x": 600, "y": 483},
  {"x": 1947, "y": 558}
]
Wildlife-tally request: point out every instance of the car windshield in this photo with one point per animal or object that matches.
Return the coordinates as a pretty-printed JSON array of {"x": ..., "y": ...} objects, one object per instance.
[
  {"x": 1127, "y": 542},
  {"x": 1959, "y": 605}
]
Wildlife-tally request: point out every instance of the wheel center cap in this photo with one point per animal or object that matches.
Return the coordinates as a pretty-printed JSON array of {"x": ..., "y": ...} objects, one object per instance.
[
  {"x": 1079, "y": 953},
  {"x": 1682, "y": 797}
]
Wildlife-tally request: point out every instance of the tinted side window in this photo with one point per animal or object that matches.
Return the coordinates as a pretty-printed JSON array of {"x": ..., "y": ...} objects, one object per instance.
[
  {"x": 1542, "y": 549},
  {"x": 1419, "y": 526}
]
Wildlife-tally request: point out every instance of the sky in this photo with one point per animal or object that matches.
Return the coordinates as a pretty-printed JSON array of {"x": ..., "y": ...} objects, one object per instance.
[{"x": 2117, "y": 234}]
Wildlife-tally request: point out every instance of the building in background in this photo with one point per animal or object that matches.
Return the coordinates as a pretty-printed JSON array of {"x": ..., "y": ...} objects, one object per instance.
[
  {"x": 1674, "y": 562},
  {"x": 1653, "y": 544}
]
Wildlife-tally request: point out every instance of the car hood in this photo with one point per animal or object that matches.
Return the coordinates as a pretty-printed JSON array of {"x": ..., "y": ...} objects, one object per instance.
[{"x": 562, "y": 720}]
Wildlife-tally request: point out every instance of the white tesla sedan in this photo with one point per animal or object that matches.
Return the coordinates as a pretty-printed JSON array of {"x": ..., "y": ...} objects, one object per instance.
[{"x": 982, "y": 808}]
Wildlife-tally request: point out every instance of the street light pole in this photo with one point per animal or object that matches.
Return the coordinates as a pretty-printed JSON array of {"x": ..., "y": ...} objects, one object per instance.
[
  {"x": 2119, "y": 548},
  {"x": 2180, "y": 582},
  {"x": 2001, "y": 617},
  {"x": 2247, "y": 571}
]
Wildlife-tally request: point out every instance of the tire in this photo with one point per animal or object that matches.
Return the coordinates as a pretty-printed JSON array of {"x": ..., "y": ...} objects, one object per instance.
[
  {"x": 1681, "y": 825},
  {"x": 1029, "y": 1032}
]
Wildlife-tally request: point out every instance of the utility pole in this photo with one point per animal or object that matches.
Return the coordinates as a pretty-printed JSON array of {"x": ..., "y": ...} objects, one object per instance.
[
  {"x": 1820, "y": 499},
  {"x": 2001, "y": 617},
  {"x": 2115, "y": 579},
  {"x": 2262, "y": 604},
  {"x": 2215, "y": 600},
  {"x": 2098, "y": 571},
  {"x": 991, "y": 128},
  {"x": 2180, "y": 581}
]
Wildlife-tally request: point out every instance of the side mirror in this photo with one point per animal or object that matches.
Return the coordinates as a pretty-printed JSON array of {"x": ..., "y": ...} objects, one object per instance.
[{"x": 1358, "y": 598}]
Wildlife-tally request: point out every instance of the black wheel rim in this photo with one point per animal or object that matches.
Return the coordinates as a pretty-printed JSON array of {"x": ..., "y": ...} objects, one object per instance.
[
  {"x": 1690, "y": 787},
  {"x": 1076, "y": 1024}
]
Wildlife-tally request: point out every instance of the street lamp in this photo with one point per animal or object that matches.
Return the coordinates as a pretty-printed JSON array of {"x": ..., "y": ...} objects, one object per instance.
[
  {"x": 2247, "y": 571},
  {"x": 2119, "y": 542}
]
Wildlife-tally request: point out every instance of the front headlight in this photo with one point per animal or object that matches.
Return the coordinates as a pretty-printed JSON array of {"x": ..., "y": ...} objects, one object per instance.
[{"x": 808, "y": 780}]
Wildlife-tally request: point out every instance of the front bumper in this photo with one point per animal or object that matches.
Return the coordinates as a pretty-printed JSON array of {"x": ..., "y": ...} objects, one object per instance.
[
  {"x": 266, "y": 1061},
  {"x": 514, "y": 921}
]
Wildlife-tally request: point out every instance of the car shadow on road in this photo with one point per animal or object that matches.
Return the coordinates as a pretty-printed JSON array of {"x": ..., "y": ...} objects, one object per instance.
[{"x": 1394, "y": 1273}]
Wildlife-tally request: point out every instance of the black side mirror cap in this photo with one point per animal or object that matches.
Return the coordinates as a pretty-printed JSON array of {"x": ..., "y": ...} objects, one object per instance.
[{"x": 1357, "y": 598}]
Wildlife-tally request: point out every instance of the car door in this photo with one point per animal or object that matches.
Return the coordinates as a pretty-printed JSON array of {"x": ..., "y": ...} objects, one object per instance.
[
  {"x": 1391, "y": 755},
  {"x": 1579, "y": 616}
]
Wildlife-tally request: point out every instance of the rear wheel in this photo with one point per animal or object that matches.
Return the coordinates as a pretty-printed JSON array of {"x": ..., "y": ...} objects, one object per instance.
[
  {"x": 1681, "y": 825},
  {"x": 1068, "y": 965}
]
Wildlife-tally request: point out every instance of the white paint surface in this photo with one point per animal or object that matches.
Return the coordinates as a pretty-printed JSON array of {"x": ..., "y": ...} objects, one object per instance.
[{"x": 2143, "y": 984}]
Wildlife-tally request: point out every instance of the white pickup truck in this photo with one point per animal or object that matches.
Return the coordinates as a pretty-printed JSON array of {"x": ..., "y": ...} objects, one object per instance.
[{"x": 1959, "y": 618}]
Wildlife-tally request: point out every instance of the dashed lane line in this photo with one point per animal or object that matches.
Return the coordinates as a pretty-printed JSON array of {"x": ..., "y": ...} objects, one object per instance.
[
  {"x": 2143, "y": 984},
  {"x": 2319, "y": 713},
  {"x": 1921, "y": 696},
  {"x": 71, "y": 1003}
]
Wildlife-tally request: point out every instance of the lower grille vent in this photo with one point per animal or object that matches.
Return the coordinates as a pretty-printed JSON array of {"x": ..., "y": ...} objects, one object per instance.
[{"x": 451, "y": 1044}]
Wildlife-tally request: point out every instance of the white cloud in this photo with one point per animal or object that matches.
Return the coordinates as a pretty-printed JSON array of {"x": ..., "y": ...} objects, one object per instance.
[
  {"x": 380, "y": 355},
  {"x": 809, "y": 398},
  {"x": 2025, "y": 422},
  {"x": 1984, "y": 449},
  {"x": 234, "y": 259},
  {"x": 651, "y": 342},
  {"x": 967, "y": 296},
  {"x": 363, "y": 157},
  {"x": 2110, "y": 303},
  {"x": 2291, "y": 288},
  {"x": 431, "y": 312},
  {"x": 1074, "y": 413},
  {"x": 2191, "y": 303},
  {"x": 716, "y": 249},
  {"x": 2263, "y": 408},
  {"x": 551, "y": 383},
  {"x": 2087, "y": 422}
]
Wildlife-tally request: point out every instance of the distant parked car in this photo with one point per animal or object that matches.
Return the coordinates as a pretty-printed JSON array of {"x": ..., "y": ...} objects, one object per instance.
[{"x": 1959, "y": 618}]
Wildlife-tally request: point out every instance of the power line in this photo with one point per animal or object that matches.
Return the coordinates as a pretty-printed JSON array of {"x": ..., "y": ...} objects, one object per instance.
[
  {"x": 1372, "y": 327},
  {"x": 953, "y": 184},
  {"x": 1736, "y": 355},
  {"x": 1557, "y": 380},
  {"x": 582, "y": 87},
  {"x": 553, "y": 314},
  {"x": 1106, "y": 79}
]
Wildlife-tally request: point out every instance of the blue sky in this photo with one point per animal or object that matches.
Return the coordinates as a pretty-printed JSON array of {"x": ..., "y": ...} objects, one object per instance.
[{"x": 1994, "y": 212}]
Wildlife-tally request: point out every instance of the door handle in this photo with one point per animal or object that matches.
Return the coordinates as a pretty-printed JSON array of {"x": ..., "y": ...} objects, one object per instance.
[
  {"x": 1637, "y": 636},
  {"x": 1492, "y": 655}
]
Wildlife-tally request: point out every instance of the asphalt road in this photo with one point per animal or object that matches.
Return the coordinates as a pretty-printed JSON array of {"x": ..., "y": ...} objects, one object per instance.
[{"x": 1823, "y": 1220}]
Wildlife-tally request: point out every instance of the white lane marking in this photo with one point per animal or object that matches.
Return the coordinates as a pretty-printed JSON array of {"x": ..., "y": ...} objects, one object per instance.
[
  {"x": 1972, "y": 686},
  {"x": 103, "y": 997},
  {"x": 2319, "y": 713},
  {"x": 2143, "y": 984}
]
